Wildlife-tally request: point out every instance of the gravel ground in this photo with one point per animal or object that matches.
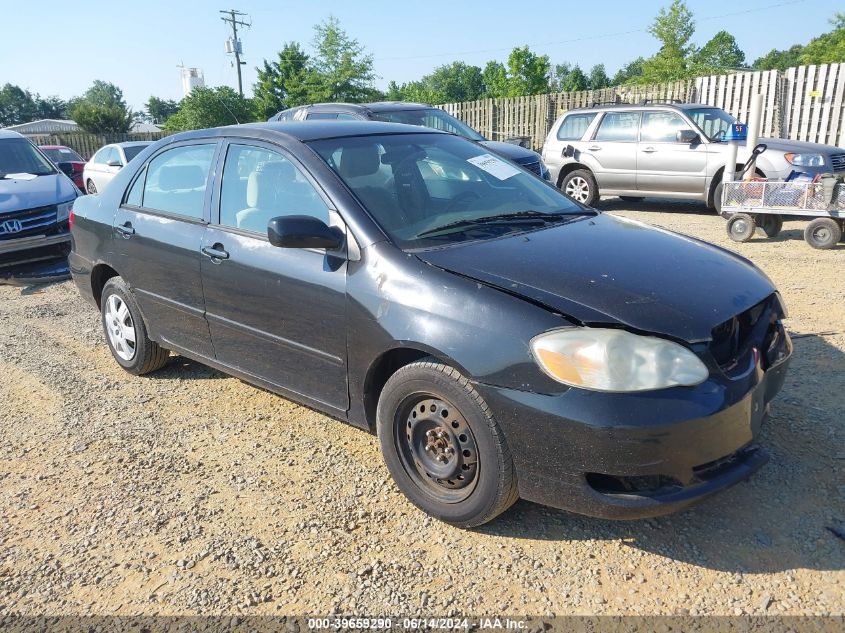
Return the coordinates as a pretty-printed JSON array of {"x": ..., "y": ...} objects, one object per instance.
[{"x": 192, "y": 492}]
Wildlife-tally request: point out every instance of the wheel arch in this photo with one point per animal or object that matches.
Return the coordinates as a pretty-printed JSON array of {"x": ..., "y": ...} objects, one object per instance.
[
  {"x": 100, "y": 275},
  {"x": 568, "y": 169}
]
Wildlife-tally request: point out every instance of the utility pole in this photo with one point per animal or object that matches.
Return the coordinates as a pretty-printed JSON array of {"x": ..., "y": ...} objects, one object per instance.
[{"x": 234, "y": 45}]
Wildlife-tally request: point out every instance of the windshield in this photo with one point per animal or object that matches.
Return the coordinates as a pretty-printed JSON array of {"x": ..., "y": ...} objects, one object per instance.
[
  {"x": 132, "y": 151},
  {"x": 430, "y": 117},
  {"x": 62, "y": 155},
  {"x": 432, "y": 189},
  {"x": 19, "y": 156},
  {"x": 713, "y": 122}
]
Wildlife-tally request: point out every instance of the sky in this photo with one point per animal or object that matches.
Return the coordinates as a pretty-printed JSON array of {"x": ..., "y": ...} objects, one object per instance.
[{"x": 60, "y": 47}]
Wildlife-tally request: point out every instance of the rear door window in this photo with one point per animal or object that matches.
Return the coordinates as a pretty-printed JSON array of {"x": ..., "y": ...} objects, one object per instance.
[
  {"x": 618, "y": 126},
  {"x": 574, "y": 126},
  {"x": 176, "y": 180}
]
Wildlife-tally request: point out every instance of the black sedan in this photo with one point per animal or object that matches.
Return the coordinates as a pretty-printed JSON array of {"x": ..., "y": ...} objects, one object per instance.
[{"x": 502, "y": 340}]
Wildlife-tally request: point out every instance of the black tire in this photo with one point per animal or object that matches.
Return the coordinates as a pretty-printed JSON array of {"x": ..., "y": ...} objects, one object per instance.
[
  {"x": 823, "y": 233},
  {"x": 141, "y": 356},
  {"x": 771, "y": 223},
  {"x": 630, "y": 198},
  {"x": 90, "y": 187},
  {"x": 582, "y": 185},
  {"x": 717, "y": 198},
  {"x": 426, "y": 410},
  {"x": 741, "y": 227}
]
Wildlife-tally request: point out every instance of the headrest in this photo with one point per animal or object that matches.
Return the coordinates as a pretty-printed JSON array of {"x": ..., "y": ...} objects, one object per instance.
[
  {"x": 268, "y": 178},
  {"x": 172, "y": 177},
  {"x": 362, "y": 160}
]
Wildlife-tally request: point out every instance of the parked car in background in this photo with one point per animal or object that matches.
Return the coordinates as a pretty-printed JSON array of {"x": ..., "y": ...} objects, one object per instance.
[
  {"x": 35, "y": 205},
  {"x": 501, "y": 339},
  {"x": 109, "y": 160},
  {"x": 71, "y": 163},
  {"x": 674, "y": 150},
  {"x": 412, "y": 114}
]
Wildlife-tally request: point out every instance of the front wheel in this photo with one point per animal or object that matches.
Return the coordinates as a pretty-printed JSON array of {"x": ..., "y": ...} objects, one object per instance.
[
  {"x": 581, "y": 186},
  {"x": 125, "y": 330},
  {"x": 741, "y": 227},
  {"x": 443, "y": 447}
]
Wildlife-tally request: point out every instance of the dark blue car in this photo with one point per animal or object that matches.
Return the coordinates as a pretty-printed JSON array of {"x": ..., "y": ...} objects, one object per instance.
[
  {"x": 35, "y": 204},
  {"x": 501, "y": 339}
]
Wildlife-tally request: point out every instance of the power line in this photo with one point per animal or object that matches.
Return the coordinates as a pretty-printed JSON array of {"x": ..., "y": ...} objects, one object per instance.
[
  {"x": 231, "y": 16},
  {"x": 590, "y": 37}
]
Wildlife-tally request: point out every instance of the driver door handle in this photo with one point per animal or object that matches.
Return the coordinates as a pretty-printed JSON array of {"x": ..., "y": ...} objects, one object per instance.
[
  {"x": 649, "y": 150},
  {"x": 215, "y": 252},
  {"x": 126, "y": 229},
  {"x": 594, "y": 148}
]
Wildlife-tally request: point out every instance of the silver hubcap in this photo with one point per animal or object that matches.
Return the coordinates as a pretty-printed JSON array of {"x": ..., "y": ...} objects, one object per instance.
[
  {"x": 91, "y": 188},
  {"x": 740, "y": 227},
  {"x": 822, "y": 234},
  {"x": 578, "y": 189},
  {"x": 120, "y": 328}
]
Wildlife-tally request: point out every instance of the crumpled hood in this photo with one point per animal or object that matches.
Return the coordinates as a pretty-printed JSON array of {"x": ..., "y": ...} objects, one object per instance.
[
  {"x": 17, "y": 195},
  {"x": 514, "y": 152},
  {"x": 610, "y": 270}
]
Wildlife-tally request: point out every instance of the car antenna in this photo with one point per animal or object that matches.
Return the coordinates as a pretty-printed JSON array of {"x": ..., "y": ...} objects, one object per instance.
[{"x": 223, "y": 103}]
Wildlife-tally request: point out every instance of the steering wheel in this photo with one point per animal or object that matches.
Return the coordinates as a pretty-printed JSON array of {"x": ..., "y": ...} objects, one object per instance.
[
  {"x": 465, "y": 198},
  {"x": 719, "y": 136}
]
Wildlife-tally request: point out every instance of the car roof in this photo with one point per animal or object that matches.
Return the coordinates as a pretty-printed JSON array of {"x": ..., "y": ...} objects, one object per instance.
[
  {"x": 377, "y": 106},
  {"x": 130, "y": 144},
  {"x": 646, "y": 103},
  {"x": 10, "y": 134},
  {"x": 311, "y": 130}
]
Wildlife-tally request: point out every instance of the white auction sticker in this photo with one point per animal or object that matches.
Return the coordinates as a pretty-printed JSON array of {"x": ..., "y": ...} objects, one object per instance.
[{"x": 494, "y": 166}]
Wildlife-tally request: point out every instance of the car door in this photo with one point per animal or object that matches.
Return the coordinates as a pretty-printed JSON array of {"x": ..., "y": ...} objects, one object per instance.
[
  {"x": 159, "y": 232},
  {"x": 612, "y": 152},
  {"x": 275, "y": 313},
  {"x": 664, "y": 164}
]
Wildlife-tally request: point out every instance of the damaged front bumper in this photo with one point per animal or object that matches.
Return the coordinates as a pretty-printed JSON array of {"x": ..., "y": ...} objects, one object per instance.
[{"x": 36, "y": 259}]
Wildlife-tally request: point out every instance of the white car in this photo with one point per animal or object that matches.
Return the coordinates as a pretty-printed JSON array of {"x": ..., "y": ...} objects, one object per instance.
[{"x": 109, "y": 160}]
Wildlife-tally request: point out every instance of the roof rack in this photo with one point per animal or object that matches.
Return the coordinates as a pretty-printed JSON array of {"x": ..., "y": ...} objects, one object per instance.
[
  {"x": 608, "y": 103},
  {"x": 649, "y": 101}
]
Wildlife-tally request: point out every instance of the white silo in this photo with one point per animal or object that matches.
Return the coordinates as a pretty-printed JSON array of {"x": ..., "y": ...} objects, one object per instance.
[{"x": 191, "y": 78}]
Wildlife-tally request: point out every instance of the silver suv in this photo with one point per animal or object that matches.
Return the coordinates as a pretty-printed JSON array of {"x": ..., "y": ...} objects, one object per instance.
[{"x": 671, "y": 150}]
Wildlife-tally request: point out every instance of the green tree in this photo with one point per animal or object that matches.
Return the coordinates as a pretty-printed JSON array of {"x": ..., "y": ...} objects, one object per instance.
[
  {"x": 16, "y": 106},
  {"x": 630, "y": 72},
  {"x": 395, "y": 92},
  {"x": 828, "y": 48},
  {"x": 527, "y": 73},
  {"x": 158, "y": 110},
  {"x": 495, "y": 77},
  {"x": 574, "y": 80},
  {"x": 446, "y": 84},
  {"x": 283, "y": 83},
  {"x": 674, "y": 28},
  {"x": 598, "y": 77},
  {"x": 719, "y": 55},
  {"x": 210, "y": 107},
  {"x": 341, "y": 71},
  {"x": 50, "y": 107},
  {"x": 779, "y": 59},
  {"x": 101, "y": 109}
]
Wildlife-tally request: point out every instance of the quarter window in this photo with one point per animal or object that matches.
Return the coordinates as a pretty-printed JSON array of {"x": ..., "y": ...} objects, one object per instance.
[
  {"x": 321, "y": 115},
  {"x": 618, "y": 126},
  {"x": 176, "y": 180},
  {"x": 260, "y": 184},
  {"x": 575, "y": 126},
  {"x": 661, "y": 127}
]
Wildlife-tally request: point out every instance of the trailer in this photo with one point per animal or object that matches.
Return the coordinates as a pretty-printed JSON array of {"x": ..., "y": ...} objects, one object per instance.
[{"x": 748, "y": 204}]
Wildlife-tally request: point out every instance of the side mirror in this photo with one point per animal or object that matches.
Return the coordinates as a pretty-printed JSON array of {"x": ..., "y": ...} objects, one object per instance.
[
  {"x": 303, "y": 231},
  {"x": 114, "y": 163},
  {"x": 687, "y": 137},
  {"x": 66, "y": 168}
]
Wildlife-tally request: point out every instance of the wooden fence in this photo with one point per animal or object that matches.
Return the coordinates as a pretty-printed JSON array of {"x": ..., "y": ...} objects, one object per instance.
[
  {"x": 805, "y": 103},
  {"x": 86, "y": 144}
]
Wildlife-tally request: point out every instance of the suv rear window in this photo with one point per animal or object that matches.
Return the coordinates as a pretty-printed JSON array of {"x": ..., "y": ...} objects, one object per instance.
[
  {"x": 574, "y": 126},
  {"x": 618, "y": 126}
]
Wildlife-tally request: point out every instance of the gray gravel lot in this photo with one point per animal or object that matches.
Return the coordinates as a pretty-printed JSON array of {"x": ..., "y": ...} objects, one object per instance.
[{"x": 188, "y": 491}]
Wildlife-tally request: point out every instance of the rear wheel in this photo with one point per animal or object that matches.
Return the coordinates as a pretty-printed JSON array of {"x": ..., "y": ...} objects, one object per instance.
[
  {"x": 442, "y": 445},
  {"x": 741, "y": 227},
  {"x": 771, "y": 223},
  {"x": 580, "y": 185},
  {"x": 125, "y": 331},
  {"x": 90, "y": 187},
  {"x": 823, "y": 233}
]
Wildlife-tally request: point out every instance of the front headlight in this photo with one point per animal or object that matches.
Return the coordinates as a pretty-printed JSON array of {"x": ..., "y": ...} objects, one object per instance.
[
  {"x": 804, "y": 160},
  {"x": 615, "y": 360},
  {"x": 64, "y": 211}
]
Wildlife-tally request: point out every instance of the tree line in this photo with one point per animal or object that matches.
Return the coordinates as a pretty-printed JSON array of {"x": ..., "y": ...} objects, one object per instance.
[{"x": 338, "y": 68}]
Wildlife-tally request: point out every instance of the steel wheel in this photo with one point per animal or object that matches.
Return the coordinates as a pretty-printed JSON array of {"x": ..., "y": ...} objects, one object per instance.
[
  {"x": 90, "y": 187},
  {"x": 741, "y": 227},
  {"x": 120, "y": 328},
  {"x": 822, "y": 233},
  {"x": 437, "y": 447},
  {"x": 578, "y": 189}
]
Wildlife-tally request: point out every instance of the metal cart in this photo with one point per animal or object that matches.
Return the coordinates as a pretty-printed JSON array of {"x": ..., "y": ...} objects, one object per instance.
[{"x": 761, "y": 203}]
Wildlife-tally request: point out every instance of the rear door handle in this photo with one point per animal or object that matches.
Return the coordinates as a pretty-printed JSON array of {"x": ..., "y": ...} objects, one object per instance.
[
  {"x": 215, "y": 253},
  {"x": 125, "y": 229},
  {"x": 594, "y": 148},
  {"x": 649, "y": 150}
]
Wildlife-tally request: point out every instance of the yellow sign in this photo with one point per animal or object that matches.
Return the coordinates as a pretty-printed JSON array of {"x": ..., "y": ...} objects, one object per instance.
[{"x": 815, "y": 93}]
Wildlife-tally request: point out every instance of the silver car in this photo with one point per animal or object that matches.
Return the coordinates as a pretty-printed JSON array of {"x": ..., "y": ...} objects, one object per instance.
[
  {"x": 109, "y": 159},
  {"x": 670, "y": 150}
]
